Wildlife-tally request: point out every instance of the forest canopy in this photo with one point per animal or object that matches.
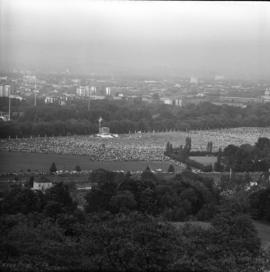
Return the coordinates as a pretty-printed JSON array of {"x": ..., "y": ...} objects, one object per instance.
[{"x": 125, "y": 117}]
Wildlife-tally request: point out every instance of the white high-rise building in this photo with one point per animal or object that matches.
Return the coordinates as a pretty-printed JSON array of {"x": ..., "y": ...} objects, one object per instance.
[
  {"x": 6, "y": 90},
  {"x": 219, "y": 77},
  {"x": 108, "y": 91},
  {"x": 193, "y": 80},
  {"x": 178, "y": 102},
  {"x": 79, "y": 91},
  {"x": 3, "y": 78},
  {"x": 83, "y": 91},
  {"x": 93, "y": 90},
  {"x": 1, "y": 90},
  {"x": 266, "y": 97}
]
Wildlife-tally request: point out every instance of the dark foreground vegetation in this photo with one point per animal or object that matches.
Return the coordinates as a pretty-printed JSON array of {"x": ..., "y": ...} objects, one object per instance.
[
  {"x": 247, "y": 157},
  {"x": 125, "y": 116},
  {"x": 127, "y": 225}
]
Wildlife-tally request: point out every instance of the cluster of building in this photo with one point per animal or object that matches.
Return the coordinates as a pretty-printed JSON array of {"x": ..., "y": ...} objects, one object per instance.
[
  {"x": 64, "y": 88},
  {"x": 87, "y": 91}
]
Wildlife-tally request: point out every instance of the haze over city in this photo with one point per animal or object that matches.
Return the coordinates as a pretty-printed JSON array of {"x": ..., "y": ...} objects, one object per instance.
[{"x": 151, "y": 38}]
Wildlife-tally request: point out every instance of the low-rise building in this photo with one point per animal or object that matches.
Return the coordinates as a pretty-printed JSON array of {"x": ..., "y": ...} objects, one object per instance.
[
  {"x": 50, "y": 99},
  {"x": 266, "y": 97},
  {"x": 42, "y": 184}
]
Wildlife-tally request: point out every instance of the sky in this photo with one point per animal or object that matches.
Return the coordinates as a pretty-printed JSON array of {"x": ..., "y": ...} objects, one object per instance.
[{"x": 163, "y": 38}]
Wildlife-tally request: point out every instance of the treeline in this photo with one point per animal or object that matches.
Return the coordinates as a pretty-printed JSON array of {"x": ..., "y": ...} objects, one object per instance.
[
  {"x": 124, "y": 227},
  {"x": 247, "y": 158},
  {"x": 126, "y": 116},
  {"x": 244, "y": 158},
  {"x": 259, "y": 202},
  {"x": 183, "y": 153}
]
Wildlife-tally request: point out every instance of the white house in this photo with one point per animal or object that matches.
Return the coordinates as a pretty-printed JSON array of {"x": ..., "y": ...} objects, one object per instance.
[
  {"x": 266, "y": 97},
  {"x": 42, "y": 184}
]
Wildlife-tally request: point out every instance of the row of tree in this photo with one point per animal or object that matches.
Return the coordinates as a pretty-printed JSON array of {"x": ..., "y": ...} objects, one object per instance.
[
  {"x": 183, "y": 153},
  {"x": 125, "y": 116},
  {"x": 247, "y": 158}
]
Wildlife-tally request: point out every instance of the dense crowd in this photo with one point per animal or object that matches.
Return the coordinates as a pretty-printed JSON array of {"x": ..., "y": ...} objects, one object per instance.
[
  {"x": 219, "y": 137},
  {"x": 138, "y": 146},
  {"x": 127, "y": 147}
]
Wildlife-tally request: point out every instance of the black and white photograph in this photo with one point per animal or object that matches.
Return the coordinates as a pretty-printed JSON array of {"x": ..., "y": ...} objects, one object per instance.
[{"x": 134, "y": 135}]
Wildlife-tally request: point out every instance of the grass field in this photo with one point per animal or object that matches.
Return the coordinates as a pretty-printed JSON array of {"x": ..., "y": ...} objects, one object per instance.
[
  {"x": 128, "y": 152},
  {"x": 205, "y": 160},
  {"x": 16, "y": 161}
]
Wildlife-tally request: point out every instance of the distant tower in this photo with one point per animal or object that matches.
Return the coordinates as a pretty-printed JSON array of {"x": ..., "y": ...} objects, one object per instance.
[
  {"x": 99, "y": 123},
  {"x": 35, "y": 101},
  {"x": 35, "y": 93},
  {"x": 193, "y": 80},
  {"x": 6, "y": 90},
  {"x": 219, "y": 77},
  {"x": 9, "y": 104},
  {"x": 108, "y": 91},
  {"x": 93, "y": 90},
  {"x": 89, "y": 97}
]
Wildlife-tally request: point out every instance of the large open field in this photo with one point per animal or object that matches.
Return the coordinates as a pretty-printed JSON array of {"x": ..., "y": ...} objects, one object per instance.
[
  {"x": 135, "y": 144},
  {"x": 128, "y": 151},
  {"x": 205, "y": 160},
  {"x": 16, "y": 161}
]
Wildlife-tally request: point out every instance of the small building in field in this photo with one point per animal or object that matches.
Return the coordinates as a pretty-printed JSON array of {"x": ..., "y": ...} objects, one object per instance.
[{"x": 42, "y": 184}]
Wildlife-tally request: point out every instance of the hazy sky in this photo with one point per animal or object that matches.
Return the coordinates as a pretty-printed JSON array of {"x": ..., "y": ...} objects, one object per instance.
[{"x": 189, "y": 38}]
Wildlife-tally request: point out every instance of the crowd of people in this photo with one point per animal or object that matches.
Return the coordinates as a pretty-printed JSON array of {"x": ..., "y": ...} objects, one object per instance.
[
  {"x": 138, "y": 146},
  {"x": 126, "y": 147},
  {"x": 223, "y": 137},
  {"x": 219, "y": 137}
]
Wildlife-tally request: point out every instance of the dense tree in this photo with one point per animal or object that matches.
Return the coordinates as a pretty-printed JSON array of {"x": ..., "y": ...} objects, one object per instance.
[
  {"x": 53, "y": 168},
  {"x": 218, "y": 167},
  {"x": 186, "y": 195},
  {"x": 22, "y": 200},
  {"x": 187, "y": 146},
  {"x": 171, "y": 169},
  {"x": 131, "y": 242},
  {"x": 59, "y": 194},
  {"x": 123, "y": 117},
  {"x": 247, "y": 157},
  {"x": 231, "y": 244},
  {"x": 121, "y": 232},
  {"x": 260, "y": 204},
  {"x": 53, "y": 209},
  {"x": 169, "y": 148},
  {"x": 148, "y": 175},
  {"x": 123, "y": 201},
  {"x": 25, "y": 200},
  {"x": 100, "y": 176}
]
